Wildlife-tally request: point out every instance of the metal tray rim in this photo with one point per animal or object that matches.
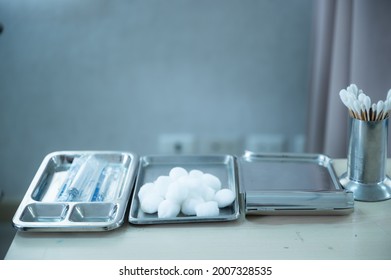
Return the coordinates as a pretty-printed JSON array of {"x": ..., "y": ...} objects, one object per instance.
[
  {"x": 263, "y": 208},
  {"x": 66, "y": 225},
  {"x": 190, "y": 219},
  {"x": 295, "y": 157}
]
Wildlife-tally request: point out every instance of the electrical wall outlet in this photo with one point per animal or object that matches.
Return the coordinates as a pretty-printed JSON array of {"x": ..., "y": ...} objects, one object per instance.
[
  {"x": 265, "y": 143},
  {"x": 177, "y": 143},
  {"x": 220, "y": 144}
]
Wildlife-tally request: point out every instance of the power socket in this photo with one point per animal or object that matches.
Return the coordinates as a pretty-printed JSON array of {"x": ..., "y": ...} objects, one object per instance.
[
  {"x": 220, "y": 144},
  {"x": 177, "y": 143},
  {"x": 265, "y": 143}
]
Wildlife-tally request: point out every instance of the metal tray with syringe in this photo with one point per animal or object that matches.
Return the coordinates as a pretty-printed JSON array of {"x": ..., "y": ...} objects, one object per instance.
[{"x": 78, "y": 191}]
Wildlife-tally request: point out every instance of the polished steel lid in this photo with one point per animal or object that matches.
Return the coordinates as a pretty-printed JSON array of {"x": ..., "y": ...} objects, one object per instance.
[{"x": 291, "y": 184}]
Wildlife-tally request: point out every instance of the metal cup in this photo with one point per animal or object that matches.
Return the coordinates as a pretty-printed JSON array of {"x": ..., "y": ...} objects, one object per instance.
[{"x": 366, "y": 163}]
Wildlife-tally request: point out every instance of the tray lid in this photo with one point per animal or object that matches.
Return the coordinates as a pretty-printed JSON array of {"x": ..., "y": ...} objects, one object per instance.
[{"x": 291, "y": 183}]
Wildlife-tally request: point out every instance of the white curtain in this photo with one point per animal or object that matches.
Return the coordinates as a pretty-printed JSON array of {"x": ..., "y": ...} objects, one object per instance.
[{"x": 351, "y": 44}]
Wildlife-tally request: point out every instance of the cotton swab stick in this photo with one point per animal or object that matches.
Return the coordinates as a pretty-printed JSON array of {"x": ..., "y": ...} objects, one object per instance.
[
  {"x": 343, "y": 94},
  {"x": 357, "y": 108},
  {"x": 373, "y": 108},
  {"x": 387, "y": 108}
]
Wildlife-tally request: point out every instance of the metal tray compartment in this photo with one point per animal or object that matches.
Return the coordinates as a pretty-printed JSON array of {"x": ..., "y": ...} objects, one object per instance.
[
  {"x": 151, "y": 167},
  {"x": 37, "y": 212},
  {"x": 78, "y": 191},
  {"x": 274, "y": 184}
]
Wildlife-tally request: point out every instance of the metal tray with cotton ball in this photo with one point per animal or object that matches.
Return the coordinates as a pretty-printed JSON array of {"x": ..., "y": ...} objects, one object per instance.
[{"x": 183, "y": 189}]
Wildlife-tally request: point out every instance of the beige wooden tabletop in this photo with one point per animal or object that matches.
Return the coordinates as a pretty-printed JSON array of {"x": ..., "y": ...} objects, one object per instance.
[{"x": 364, "y": 234}]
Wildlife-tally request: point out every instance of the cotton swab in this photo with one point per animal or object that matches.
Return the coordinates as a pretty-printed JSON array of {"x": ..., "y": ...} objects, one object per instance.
[
  {"x": 387, "y": 107},
  {"x": 367, "y": 105},
  {"x": 373, "y": 109},
  {"x": 379, "y": 109},
  {"x": 353, "y": 89},
  {"x": 343, "y": 94},
  {"x": 360, "y": 107},
  {"x": 357, "y": 108}
]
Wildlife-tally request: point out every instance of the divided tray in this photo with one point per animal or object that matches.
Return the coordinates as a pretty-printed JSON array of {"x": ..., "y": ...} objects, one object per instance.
[{"x": 78, "y": 191}]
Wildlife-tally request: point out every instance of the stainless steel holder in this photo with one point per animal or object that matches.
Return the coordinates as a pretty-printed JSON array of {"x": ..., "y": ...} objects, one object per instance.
[{"x": 366, "y": 163}]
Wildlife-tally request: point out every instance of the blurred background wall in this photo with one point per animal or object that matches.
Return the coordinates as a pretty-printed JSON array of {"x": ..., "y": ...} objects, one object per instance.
[{"x": 214, "y": 76}]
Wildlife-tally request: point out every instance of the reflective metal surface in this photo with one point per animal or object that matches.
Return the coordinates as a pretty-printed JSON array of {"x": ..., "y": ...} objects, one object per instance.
[
  {"x": 62, "y": 197},
  {"x": 151, "y": 167},
  {"x": 291, "y": 184},
  {"x": 366, "y": 164}
]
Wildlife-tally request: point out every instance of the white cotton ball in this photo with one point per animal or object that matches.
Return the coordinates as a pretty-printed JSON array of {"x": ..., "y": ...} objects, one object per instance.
[
  {"x": 211, "y": 181},
  {"x": 224, "y": 197},
  {"x": 192, "y": 184},
  {"x": 207, "y": 193},
  {"x": 207, "y": 209},
  {"x": 189, "y": 205},
  {"x": 150, "y": 203},
  {"x": 183, "y": 180},
  {"x": 177, "y": 172},
  {"x": 195, "y": 173},
  {"x": 145, "y": 189},
  {"x": 168, "y": 209},
  {"x": 177, "y": 192},
  {"x": 162, "y": 183}
]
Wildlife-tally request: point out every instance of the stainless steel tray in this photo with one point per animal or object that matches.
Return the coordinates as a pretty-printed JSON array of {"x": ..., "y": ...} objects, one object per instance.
[
  {"x": 294, "y": 184},
  {"x": 95, "y": 203},
  {"x": 151, "y": 167}
]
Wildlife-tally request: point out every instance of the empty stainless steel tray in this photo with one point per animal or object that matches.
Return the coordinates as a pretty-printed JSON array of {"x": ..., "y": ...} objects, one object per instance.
[
  {"x": 78, "y": 191},
  {"x": 274, "y": 184}
]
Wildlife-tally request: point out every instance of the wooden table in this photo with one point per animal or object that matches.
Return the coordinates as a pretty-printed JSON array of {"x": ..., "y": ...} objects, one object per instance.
[{"x": 364, "y": 234}]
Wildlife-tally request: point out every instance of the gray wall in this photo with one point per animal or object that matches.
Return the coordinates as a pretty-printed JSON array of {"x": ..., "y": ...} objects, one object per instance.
[{"x": 115, "y": 75}]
